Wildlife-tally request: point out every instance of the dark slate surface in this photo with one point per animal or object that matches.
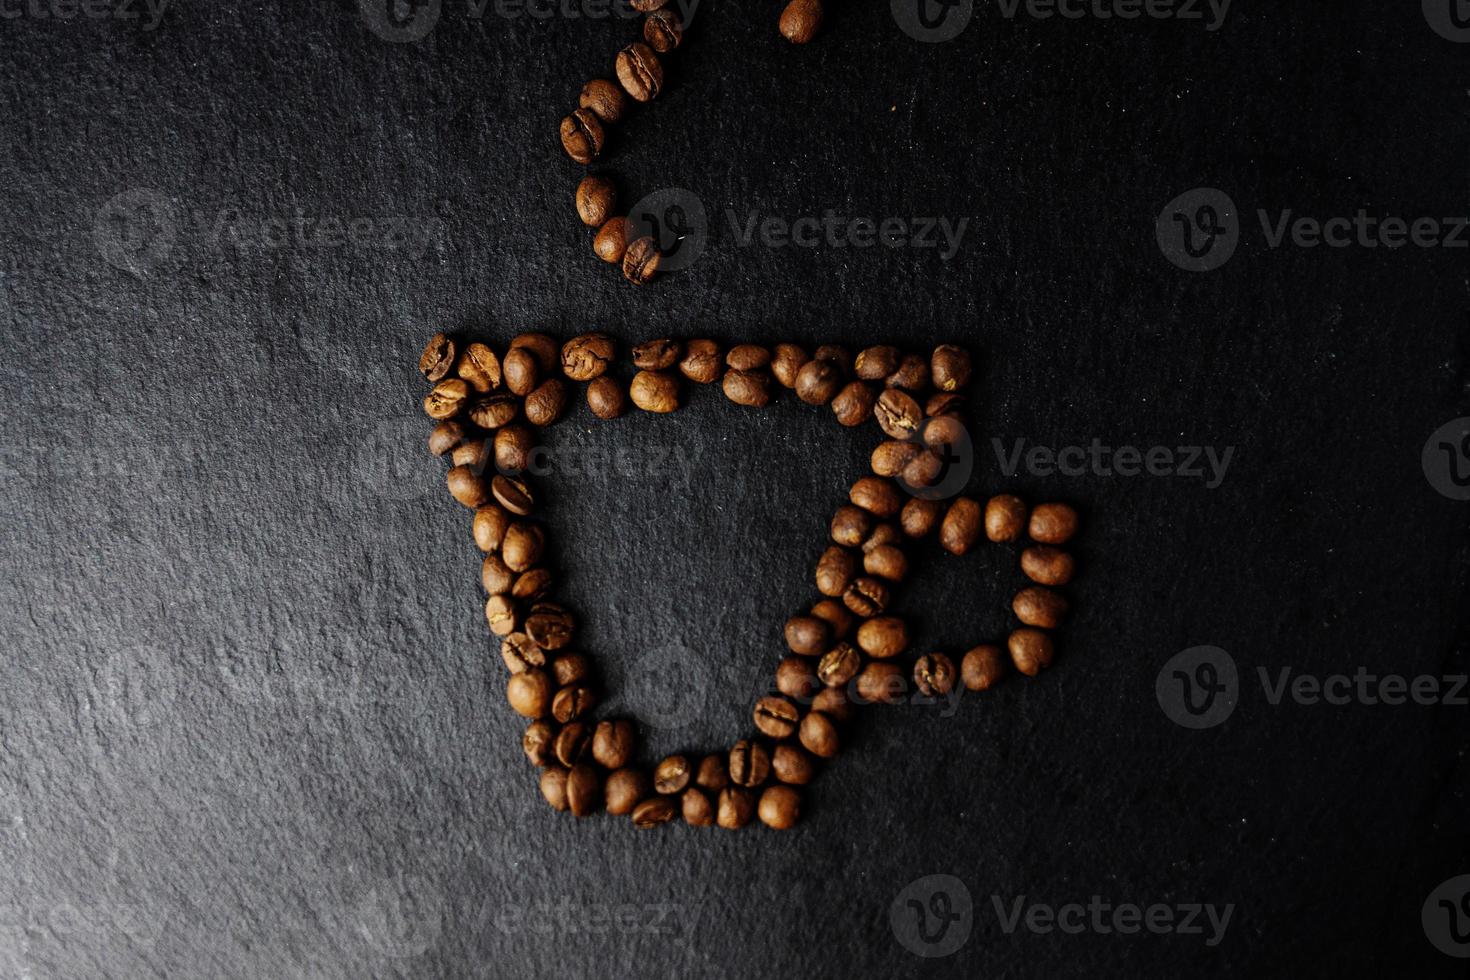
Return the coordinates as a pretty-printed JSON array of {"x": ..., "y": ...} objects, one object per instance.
[{"x": 251, "y": 724}]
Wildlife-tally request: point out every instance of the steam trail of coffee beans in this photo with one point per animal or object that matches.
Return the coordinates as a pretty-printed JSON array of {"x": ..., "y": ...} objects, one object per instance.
[
  {"x": 844, "y": 651},
  {"x": 602, "y": 103}
]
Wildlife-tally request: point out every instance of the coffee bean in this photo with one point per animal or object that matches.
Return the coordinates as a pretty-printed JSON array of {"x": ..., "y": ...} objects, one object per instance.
[
  {"x": 540, "y": 346},
  {"x": 944, "y": 403},
  {"x": 625, "y": 789},
  {"x": 800, "y": 22},
  {"x": 934, "y": 675},
  {"x": 883, "y": 637},
  {"x": 647, "y": 6},
  {"x": 572, "y": 743},
  {"x": 795, "y": 678},
  {"x": 554, "y": 787},
  {"x": 521, "y": 654},
  {"x": 853, "y": 405},
  {"x": 606, "y": 398},
  {"x": 879, "y": 681},
  {"x": 437, "y": 358},
  {"x": 817, "y": 382},
  {"x": 655, "y": 391},
  {"x": 1053, "y": 523},
  {"x": 835, "y": 570},
  {"x": 611, "y": 240},
  {"x": 701, "y": 363},
  {"x": 912, "y": 373},
  {"x": 1005, "y": 517},
  {"x": 786, "y": 363},
  {"x": 500, "y": 613},
  {"x": 949, "y": 366},
  {"x": 521, "y": 371},
  {"x": 876, "y": 363},
  {"x": 489, "y": 527},
  {"x": 570, "y": 669},
  {"x": 807, "y": 635},
  {"x": 447, "y": 400},
  {"x": 1036, "y": 606},
  {"x": 876, "y": 496},
  {"x": 886, "y": 562},
  {"x": 651, "y": 813},
  {"x": 467, "y": 486},
  {"x": 446, "y": 436},
  {"x": 582, "y": 135},
  {"x": 850, "y": 525},
  {"x": 537, "y": 743},
  {"x": 780, "y": 807},
  {"x": 672, "y": 775},
  {"x": 474, "y": 454},
  {"x": 605, "y": 99},
  {"x": 818, "y": 735},
  {"x": 892, "y": 455},
  {"x": 1047, "y": 565},
  {"x": 663, "y": 30},
  {"x": 697, "y": 809},
  {"x": 513, "y": 446},
  {"x": 920, "y": 517},
  {"x": 588, "y": 356},
  {"x": 945, "y": 431},
  {"x": 529, "y": 693},
  {"x": 712, "y": 774},
  {"x": 584, "y": 789},
  {"x": 656, "y": 355},
  {"x": 596, "y": 198},
  {"x": 982, "y": 667},
  {"x": 545, "y": 405},
  {"x": 961, "y": 527},
  {"x": 479, "y": 368},
  {"x": 866, "y": 596},
  {"x": 924, "y": 470},
  {"x": 836, "y": 616},
  {"x": 790, "y": 764},
  {"x": 839, "y": 665},
  {"x": 550, "y": 626},
  {"x": 736, "y": 807},
  {"x": 495, "y": 411},
  {"x": 836, "y": 355},
  {"x": 639, "y": 72},
  {"x": 613, "y": 742},
  {"x": 749, "y": 763},
  {"x": 898, "y": 414},
  {"x": 747, "y": 357},
  {"x": 572, "y": 702},
  {"x": 776, "y": 717},
  {"x": 640, "y": 261},
  {"x": 749, "y": 388},
  {"x": 495, "y": 576},
  {"x": 513, "y": 495},
  {"x": 833, "y": 702},
  {"x": 1031, "y": 651},
  {"x": 523, "y": 546},
  {"x": 884, "y": 535}
]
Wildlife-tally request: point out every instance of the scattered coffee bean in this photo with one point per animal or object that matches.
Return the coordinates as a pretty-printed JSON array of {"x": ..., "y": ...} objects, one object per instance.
[
  {"x": 652, "y": 812},
  {"x": 912, "y": 373},
  {"x": 584, "y": 789},
  {"x": 982, "y": 667},
  {"x": 545, "y": 405},
  {"x": 549, "y": 626},
  {"x": 655, "y": 391},
  {"x": 438, "y": 357},
  {"x": 513, "y": 446},
  {"x": 834, "y": 703},
  {"x": 1053, "y": 523},
  {"x": 818, "y": 735},
  {"x": 596, "y": 198},
  {"x": 663, "y": 31},
  {"x": 529, "y": 693},
  {"x": 474, "y": 454},
  {"x": 853, "y": 405},
  {"x": 801, "y": 20},
  {"x": 606, "y": 398},
  {"x": 571, "y": 703},
  {"x": 836, "y": 616},
  {"x": 570, "y": 669},
  {"x": 818, "y": 382},
  {"x": 1005, "y": 517},
  {"x": 495, "y": 411},
  {"x": 850, "y": 526},
  {"x": 747, "y": 357},
  {"x": 523, "y": 546},
  {"x": 489, "y": 527},
  {"x": 836, "y": 355},
  {"x": 537, "y": 743},
  {"x": 866, "y": 596},
  {"x": 672, "y": 775},
  {"x": 887, "y": 562},
  {"x": 961, "y": 527},
  {"x": 647, "y": 6},
  {"x": 656, "y": 355},
  {"x": 605, "y": 99},
  {"x": 495, "y": 576},
  {"x": 446, "y": 436},
  {"x": 945, "y": 431},
  {"x": 521, "y": 371},
  {"x": 736, "y": 807},
  {"x": 467, "y": 486},
  {"x": 540, "y": 346},
  {"x": 786, "y": 363},
  {"x": 500, "y": 613},
  {"x": 625, "y": 789},
  {"x": 640, "y": 261},
  {"x": 883, "y": 637},
  {"x": 571, "y": 743},
  {"x": 697, "y": 809},
  {"x": 520, "y": 654},
  {"x": 513, "y": 495},
  {"x": 701, "y": 363},
  {"x": 795, "y": 678},
  {"x": 807, "y": 635},
  {"x": 876, "y": 363},
  {"x": 1047, "y": 565},
  {"x": 1031, "y": 651},
  {"x": 835, "y": 570},
  {"x": 920, "y": 517},
  {"x": 749, "y": 388},
  {"x": 790, "y": 764},
  {"x": 898, "y": 414},
  {"x": 554, "y": 787},
  {"x": 447, "y": 400},
  {"x": 479, "y": 368},
  {"x": 611, "y": 241},
  {"x": 876, "y": 496},
  {"x": 749, "y": 763},
  {"x": 639, "y": 72},
  {"x": 588, "y": 356},
  {"x": 880, "y": 681},
  {"x": 949, "y": 367},
  {"x": 934, "y": 675},
  {"x": 1036, "y": 606},
  {"x": 892, "y": 456},
  {"x": 839, "y": 665},
  {"x": 780, "y": 806},
  {"x": 582, "y": 135},
  {"x": 712, "y": 774},
  {"x": 613, "y": 742}
]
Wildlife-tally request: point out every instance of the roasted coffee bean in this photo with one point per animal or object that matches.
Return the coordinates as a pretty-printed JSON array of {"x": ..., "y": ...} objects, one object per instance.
[
  {"x": 582, "y": 135},
  {"x": 883, "y": 637},
  {"x": 795, "y": 678},
  {"x": 949, "y": 367},
  {"x": 961, "y": 527},
  {"x": 883, "y": 535},
  {"x": 747, "y": 357},
  {"x": 800, "y": 22},
  {"x": 866, "y": 596},
  {"x": 701, "y": 363},
  {"x": 570, "y": 669},
  {"x": 944, "y": 403},
  {"x": 655, "y": 391},
  {"x": 839, "y": 665},
  {"x": 501, "y": 614},
  {"x": 786, "y": 363},
  {"x": 833, "y": 702},
  {"x": 1005, "y": 518},
  {"x": 572, "y": 743},
  {"x": 876, "y": 363},
  {"x": 538, "y": 743},
  {"x": 611, "y": 240},
  {"x": 818, "y": 382},
  {"x": 606, "y": 398},
  {"x": 613, "y": 742},
  {"x": 712, "y": 774},
  {"x": 697, "y": 809},
  {"x": 836, "y": 616},
  {"x": 982, "y": 667},
  {"x": 572, "y": 702},
  {"x": 513, "y": 495},
  {"x": 639, "y": 72},
  {"x": 1031, "y": 651},
  {"x": 625, "y": 789},
  {"x": 554, "y": 787},
  {"x": 886, "y": 562},
  {"x": 736, "y": 807},
  {"x": 1053, "y": 523},
  {"x": 663, "y": 31},
  {"x": 495, "y": 411},
  {"x": 651, "y": 813},
  {"x": 750, "y": 763},
  {"x": 447, "y": 400},
  {"x": 529, "y": 693},
  {"x": 474, "y": 454},
  {"x": 924, "y": 470},
  {"x": 876, "y": 496},
  {"x": 446, "y": 436},
  {"x": 549, "y": 625},
  {"x": 749, "y": 388},
  {"x": 790, "y": 764},
  {"x": 776, "y": 717},
  {"x": 495, "y": 577},
  {"x": 1036, "y": 606},
  {"x": 853, "y": 405},
  {"x": 1047, "y": 565},
  {"x": 521, "y": 371},
  {"x": 920, "y": 517},
  {"x": 647, "y": 6},
  {"x": 892, "y": 455},
  {"x": 520, "y": 654},
  {"x": 540, "y": 346},
  {"x": 944, "y": 431},
  {"x": 479, "y": 368},
  {"x": 467, "y": 486},
  {"x": 780, "y": 806},
  {"x": 532, "y": 585},
  {"x": 588, "y": 356},
  {"x": 835, "y": 570},
  {"x": 836, "y": 355},
  {"x": 584, "y": 789},
  {"x": 523, "y": 546},
  {"x": 898, "y": 414},
  {"x": 596, "y": 198},
  {"x": 912, "y": 373},
  {"x": 672, "y": 775},
  {"x": 437, "y": 358},
  {"x": 656, "y": 355},
  {"x": 807, "y": 635},
  {"x": 879, "y": 681},
  {"x": 640, "y": 261},
  {"x": 850, "y": 525},
  {"x": 934, "y": 675},
  {"x": 818, "y": 735},
  {"x": 513, "y": 446},
  {"x": 605, "y": 99},
  {"x": 489, "y": 527},
  {"x": 545, "y": 405}
]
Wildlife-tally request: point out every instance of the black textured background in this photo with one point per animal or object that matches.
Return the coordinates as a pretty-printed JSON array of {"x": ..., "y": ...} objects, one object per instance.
[{"x": 251, "y": 724}]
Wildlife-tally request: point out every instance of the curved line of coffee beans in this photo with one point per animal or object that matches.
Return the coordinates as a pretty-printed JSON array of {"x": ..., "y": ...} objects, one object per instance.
[
  {"x": 844, "y": 651},
  {"x": 602, "y": 103}
]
